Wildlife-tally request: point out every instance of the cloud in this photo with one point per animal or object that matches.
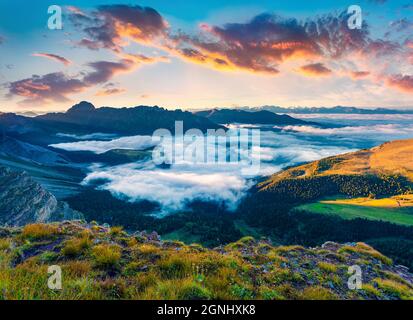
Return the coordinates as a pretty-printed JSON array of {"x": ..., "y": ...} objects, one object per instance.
[
  {"x": 359, "y": 74},
  {"x": 266, "y": 44},
  {"x": 58, "y": 86},
  {"x": 54, "y": 57},
  {"x": 184, "y": 181},
  {"x": 103, "y": 71},
  {"x": 401, "y": 82},
  {"x": 2, "y": 39},
  {"x": 266, "y": 41},
  {"x": 109, "y": 24},
  {"x": 259, "y": 45},
  {"x": 110, "y": 92},
  {"x": 315, "y": 70},
  {"x": 97, "y": 135},
  {"x": 173, "y": 188},
  {"x": 385, "y": 129},
  {"x": 130, "y": 143},
  {"x": 52, "y": 87}
]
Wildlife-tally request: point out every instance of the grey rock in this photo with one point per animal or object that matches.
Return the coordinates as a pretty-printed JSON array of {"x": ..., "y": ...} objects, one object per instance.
[{"x": 24, "y": 201}]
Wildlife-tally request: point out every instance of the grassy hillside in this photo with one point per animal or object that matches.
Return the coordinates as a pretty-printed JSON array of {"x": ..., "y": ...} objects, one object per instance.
[
  {"x": 390, "y": 159},
  {"x": 365, "y": 188},
  {"x": 99, "y": 262},
  {"x": 381, "y": 172}
]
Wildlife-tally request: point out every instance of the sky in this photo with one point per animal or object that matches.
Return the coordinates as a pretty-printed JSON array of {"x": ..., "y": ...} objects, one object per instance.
[{"x": 205, "y": 54}]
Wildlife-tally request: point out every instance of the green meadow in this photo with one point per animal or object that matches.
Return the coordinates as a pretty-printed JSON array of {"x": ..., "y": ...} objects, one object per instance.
[{"x": 402, "y": 216}]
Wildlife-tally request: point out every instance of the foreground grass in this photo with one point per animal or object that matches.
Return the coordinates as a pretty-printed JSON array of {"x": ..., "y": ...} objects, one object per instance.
[{"x": 107, "y": 263}]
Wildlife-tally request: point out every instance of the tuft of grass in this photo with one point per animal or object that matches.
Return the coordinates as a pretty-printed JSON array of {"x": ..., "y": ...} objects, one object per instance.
[
  {"x": 193, "y": 291},
  {"x": 242, "y": 292},
  {"x": 133, "y": 268},
  {"x": 148, "y": 249},
  {"x": 113, "y": 288},
  {"x": 247, "y": 240},
  {"x": 75, "y": 247},
  {"x": 371, "y": 290},
  {"x": 116, "y": 231},
  {"x": 106, "y": 255},
  {"x": 365, "y": 249},
  {"x": 175, "y": 267},
  {"x": 5, "y": 244},
  {"x": 289, "y": 249},
  {"x": 270, "y": 294},
  {"x": 77, "y": 268},
  {"x": 394, "y": 288},
  {"x": 317, "y": 293},
  {"x": 48, "y": 257},
  {"x": 395, "y": 277},
  {"x": 38, "y": 231},
  {"x": 327, "y": 267}
]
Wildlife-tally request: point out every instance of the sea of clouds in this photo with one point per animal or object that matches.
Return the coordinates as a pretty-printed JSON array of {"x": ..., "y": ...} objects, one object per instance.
[
  {"x": 98, "y": 146},
  {"x": 174, "y": 187}
]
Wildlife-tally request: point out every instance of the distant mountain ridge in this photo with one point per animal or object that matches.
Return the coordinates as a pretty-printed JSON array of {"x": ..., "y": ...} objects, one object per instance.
[
  {"x": 136, "y": 120},
  {"x": 329, "y": 110},
  {"x": 226, "y": 116},
  {"x": 84, "y": 118}
]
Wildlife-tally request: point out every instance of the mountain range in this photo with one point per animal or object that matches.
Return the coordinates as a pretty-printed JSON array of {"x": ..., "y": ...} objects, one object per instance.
[
  {"x": 329, "y": 110},
  {"x": 84, "y": 118},
  {"x": 263, "y": 117}
]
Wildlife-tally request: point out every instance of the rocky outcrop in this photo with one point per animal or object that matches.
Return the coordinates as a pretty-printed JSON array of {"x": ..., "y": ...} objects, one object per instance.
[{"x": 23, "y": 201}]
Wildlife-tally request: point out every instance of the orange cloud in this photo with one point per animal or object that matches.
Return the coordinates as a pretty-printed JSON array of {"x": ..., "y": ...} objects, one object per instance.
[
  {"x": 401, "y": 82},
  {"x": 315, "y": 70},
  {"x": 53, "y": 57},
  {"x": 260, "y": 45},
  {"x": 110, "y": 92},
  {"x": 110, "y": 24}
]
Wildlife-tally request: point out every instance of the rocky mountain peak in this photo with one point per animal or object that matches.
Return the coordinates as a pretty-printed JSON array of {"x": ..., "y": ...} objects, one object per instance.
[{"x": 83, "y": 106}]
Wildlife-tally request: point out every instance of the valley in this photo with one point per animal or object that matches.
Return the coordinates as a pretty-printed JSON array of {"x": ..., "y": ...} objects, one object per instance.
[{"x": 344, "y": 193}]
